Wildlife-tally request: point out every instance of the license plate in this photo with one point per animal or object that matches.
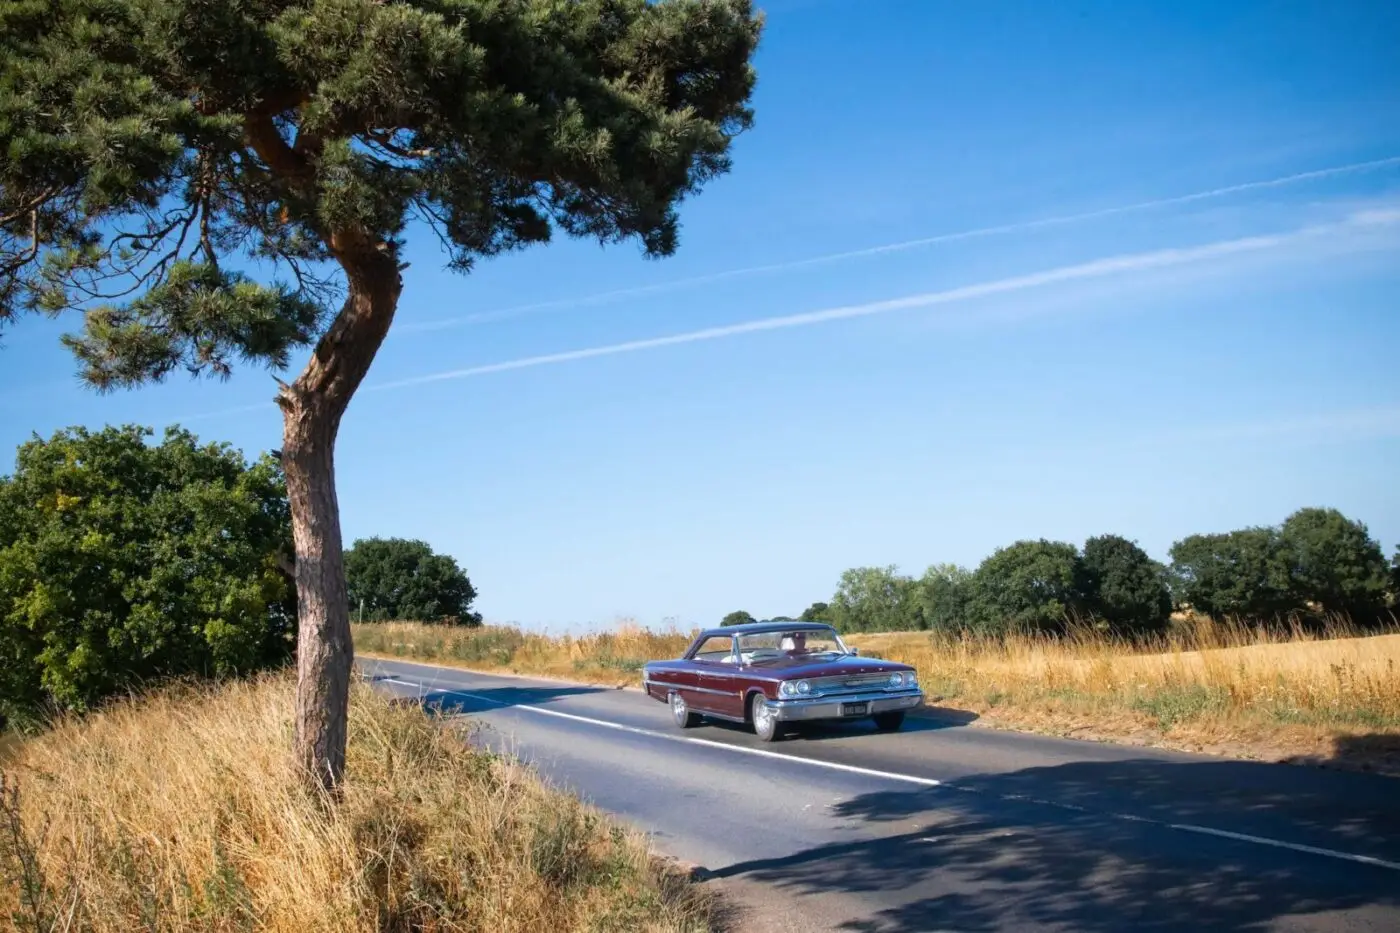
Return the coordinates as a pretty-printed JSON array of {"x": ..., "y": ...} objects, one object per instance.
[{"x": 855, "y": 709}]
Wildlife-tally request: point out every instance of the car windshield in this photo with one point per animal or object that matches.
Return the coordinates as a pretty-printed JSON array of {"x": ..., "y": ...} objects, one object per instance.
[{"x": 767, "y": 646}]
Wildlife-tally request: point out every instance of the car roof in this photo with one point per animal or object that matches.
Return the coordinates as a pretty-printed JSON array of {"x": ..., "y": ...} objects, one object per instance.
[{"x": 751, "y": 628}]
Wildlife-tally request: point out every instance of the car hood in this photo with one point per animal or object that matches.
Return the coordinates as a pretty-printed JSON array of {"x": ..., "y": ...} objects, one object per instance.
[{"x": 791, "y": 668}]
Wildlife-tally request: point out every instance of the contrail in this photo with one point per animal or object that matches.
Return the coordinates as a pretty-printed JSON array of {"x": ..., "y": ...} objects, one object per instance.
[
  {"x": 1099, "y": 268},
  {"x": 1019, "y": 226}
]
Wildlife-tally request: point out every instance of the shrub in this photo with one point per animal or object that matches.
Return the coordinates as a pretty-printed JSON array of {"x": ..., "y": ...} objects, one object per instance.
[
  {"x": 1334, "y": 564},
  {"x": 1028, "y": 586},
  {"x": 398, "y": 579},
  {"x": 122, "y": 561},
  {"x": 1124, "y": 587},
  {"x": 1242, "y": 574},
  {"x": 945, "y": 594},
  {"x": 876, "y": 599}
]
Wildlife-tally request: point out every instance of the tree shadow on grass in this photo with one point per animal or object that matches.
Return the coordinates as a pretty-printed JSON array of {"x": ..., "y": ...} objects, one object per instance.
[
  {"x": 1375, "y": 753},
  {"x": 1101, "y": 847}
]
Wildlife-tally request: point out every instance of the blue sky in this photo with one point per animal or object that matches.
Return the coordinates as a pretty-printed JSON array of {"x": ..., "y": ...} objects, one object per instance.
[{"x": 1144, "y": 278}]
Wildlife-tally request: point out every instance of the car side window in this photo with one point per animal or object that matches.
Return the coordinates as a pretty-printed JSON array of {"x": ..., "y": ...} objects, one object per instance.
[{"x": 715, "y": 649}]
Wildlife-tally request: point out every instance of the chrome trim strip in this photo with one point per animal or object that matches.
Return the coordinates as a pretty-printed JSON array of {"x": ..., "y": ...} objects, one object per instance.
[
  {"x": 671, "y": 686},
  {"x": 709, "y": 715}
]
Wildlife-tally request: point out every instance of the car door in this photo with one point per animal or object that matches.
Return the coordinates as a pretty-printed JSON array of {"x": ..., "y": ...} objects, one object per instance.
[{"x": 713, "y": 664}]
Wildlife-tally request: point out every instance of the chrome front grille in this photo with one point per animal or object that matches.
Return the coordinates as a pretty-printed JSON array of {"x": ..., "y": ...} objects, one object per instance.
[{"x": 852, "y": 683}]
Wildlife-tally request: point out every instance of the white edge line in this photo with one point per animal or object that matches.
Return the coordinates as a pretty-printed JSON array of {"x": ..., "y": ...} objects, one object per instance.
[
  {"x": 1297, "y": 847},
  {"x": 637, "y": 730},
  {"x": 908, "y": 778}
]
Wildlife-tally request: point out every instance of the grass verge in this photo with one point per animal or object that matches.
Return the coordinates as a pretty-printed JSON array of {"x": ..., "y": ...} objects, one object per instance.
[
  {"x": 1320, "y": 697},
  {"x": 181, "y": 811}
]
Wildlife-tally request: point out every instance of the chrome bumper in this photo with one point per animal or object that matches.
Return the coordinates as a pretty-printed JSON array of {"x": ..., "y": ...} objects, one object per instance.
[{"x": 830, "y": 707}]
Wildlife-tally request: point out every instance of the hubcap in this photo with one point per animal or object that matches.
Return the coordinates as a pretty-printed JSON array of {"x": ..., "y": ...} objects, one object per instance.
[
  {"x": 678, "y": 707},
  {"x": 763, "y": 715}
]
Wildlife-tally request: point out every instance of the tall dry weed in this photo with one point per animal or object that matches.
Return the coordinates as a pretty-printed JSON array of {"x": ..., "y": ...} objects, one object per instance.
[{"x": 182, "y": 812}]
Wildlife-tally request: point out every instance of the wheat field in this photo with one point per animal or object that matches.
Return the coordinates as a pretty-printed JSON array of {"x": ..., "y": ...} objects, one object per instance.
[
  {"x": 181, "y": 811},
  {"x": 1238, "y": 690}
]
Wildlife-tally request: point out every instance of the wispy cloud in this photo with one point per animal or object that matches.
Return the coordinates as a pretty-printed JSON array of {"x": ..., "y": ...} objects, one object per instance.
[
  {"x": 975, "y": 233},
  {"x": 1097, "y": 269},
  {"x": 1333, "y": 425},
  {"x": 268, "y": 406}
]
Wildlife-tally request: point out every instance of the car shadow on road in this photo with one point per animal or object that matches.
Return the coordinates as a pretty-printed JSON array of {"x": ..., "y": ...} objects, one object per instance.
[
  {"x": 928, "y": 719},
  {"x": 1101, "y": 847}
]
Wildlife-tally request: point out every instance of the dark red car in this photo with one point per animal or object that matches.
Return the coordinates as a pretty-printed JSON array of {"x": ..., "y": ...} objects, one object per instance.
[{"x": 767, "y": 674}]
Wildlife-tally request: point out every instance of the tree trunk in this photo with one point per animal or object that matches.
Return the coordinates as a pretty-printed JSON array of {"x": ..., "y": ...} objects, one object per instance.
[
  {"x": 324, "y": 651},
  {"x": 312, "y": 408}
]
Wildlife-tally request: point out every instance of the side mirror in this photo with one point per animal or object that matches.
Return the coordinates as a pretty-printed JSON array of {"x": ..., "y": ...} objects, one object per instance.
[{"x": 855, "y": 652}]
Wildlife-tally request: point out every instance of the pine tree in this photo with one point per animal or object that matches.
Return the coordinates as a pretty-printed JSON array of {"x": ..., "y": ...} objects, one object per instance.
[{"x": 158, "y": 150}]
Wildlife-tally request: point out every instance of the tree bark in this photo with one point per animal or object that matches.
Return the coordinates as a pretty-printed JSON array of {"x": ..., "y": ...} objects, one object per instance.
[{"x": 312, "y": 409}]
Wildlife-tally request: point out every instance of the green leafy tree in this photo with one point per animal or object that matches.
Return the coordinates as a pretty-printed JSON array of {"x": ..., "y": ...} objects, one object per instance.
[
  {"x": 1240, "y": 574},
  {"x": 396, "y": 578},
  {"x": 122, "y": 561},
  {"x": 876, "y": 599},
  {"x": 1395, "y": 579},
  {"x": 1028, "y": 586},
  {"x": 1125, "y": 587},
  {"x": 737, "y": 618},
  {"x": 1335, "y": 564},
  {"x": 224, "y": 181},
  {"x": 817, "y": 612},
  {"x": 946, "y": 595}
]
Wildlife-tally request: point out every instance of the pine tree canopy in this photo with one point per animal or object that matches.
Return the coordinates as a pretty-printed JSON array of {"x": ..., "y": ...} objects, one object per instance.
[{"x": 203, "y": 178}]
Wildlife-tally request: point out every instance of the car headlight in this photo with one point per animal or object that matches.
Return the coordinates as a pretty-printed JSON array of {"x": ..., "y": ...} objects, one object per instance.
[
  {"x": 804, "y": 687},
  {"x": 896, "y": 680},
  {"x": 787, "y": 688}
]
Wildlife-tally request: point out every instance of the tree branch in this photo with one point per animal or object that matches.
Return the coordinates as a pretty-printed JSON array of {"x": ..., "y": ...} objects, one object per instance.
[
  {"x": 30, "y": 207},
  {"x": 261, "y": 133},
  {"x": 28, "y": 255},
  {"x": 343, "y": 355},
  {"x": 385, "y": 141}
]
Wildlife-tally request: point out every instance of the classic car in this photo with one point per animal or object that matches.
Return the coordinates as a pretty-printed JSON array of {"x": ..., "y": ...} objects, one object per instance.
[{"x": 771, "y": 674}]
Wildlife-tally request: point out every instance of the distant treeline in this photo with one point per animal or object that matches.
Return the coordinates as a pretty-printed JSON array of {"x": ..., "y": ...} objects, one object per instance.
[{"x": 1317, "y": 565}]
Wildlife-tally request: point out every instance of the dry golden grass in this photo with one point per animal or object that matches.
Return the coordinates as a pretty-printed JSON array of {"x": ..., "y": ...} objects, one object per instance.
[
  {"x": 611, "y": 658},
  {"x": 181, "y": 811},
  {"x": 1228, "y": 689}
]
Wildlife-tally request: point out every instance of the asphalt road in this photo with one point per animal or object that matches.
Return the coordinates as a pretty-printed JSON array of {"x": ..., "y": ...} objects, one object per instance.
[{"x": 946, "y": 827}]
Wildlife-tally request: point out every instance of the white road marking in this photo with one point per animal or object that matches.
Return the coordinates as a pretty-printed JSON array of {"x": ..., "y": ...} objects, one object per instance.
[
  {"x": 651, "y": 733},
  {"x": 908, "y": 778},
  {"x": 1297, "y": 847}
]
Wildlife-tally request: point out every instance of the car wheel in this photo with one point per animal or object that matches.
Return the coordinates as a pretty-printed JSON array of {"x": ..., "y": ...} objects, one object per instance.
[
  {"x": 889, "y": 722},
  {"x": 681, "y": 713},
  {"x": 765, "y": 718}
]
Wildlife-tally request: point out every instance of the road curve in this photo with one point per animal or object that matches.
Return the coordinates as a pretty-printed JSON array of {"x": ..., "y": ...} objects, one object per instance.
[{"x": 942, "y": 827}]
